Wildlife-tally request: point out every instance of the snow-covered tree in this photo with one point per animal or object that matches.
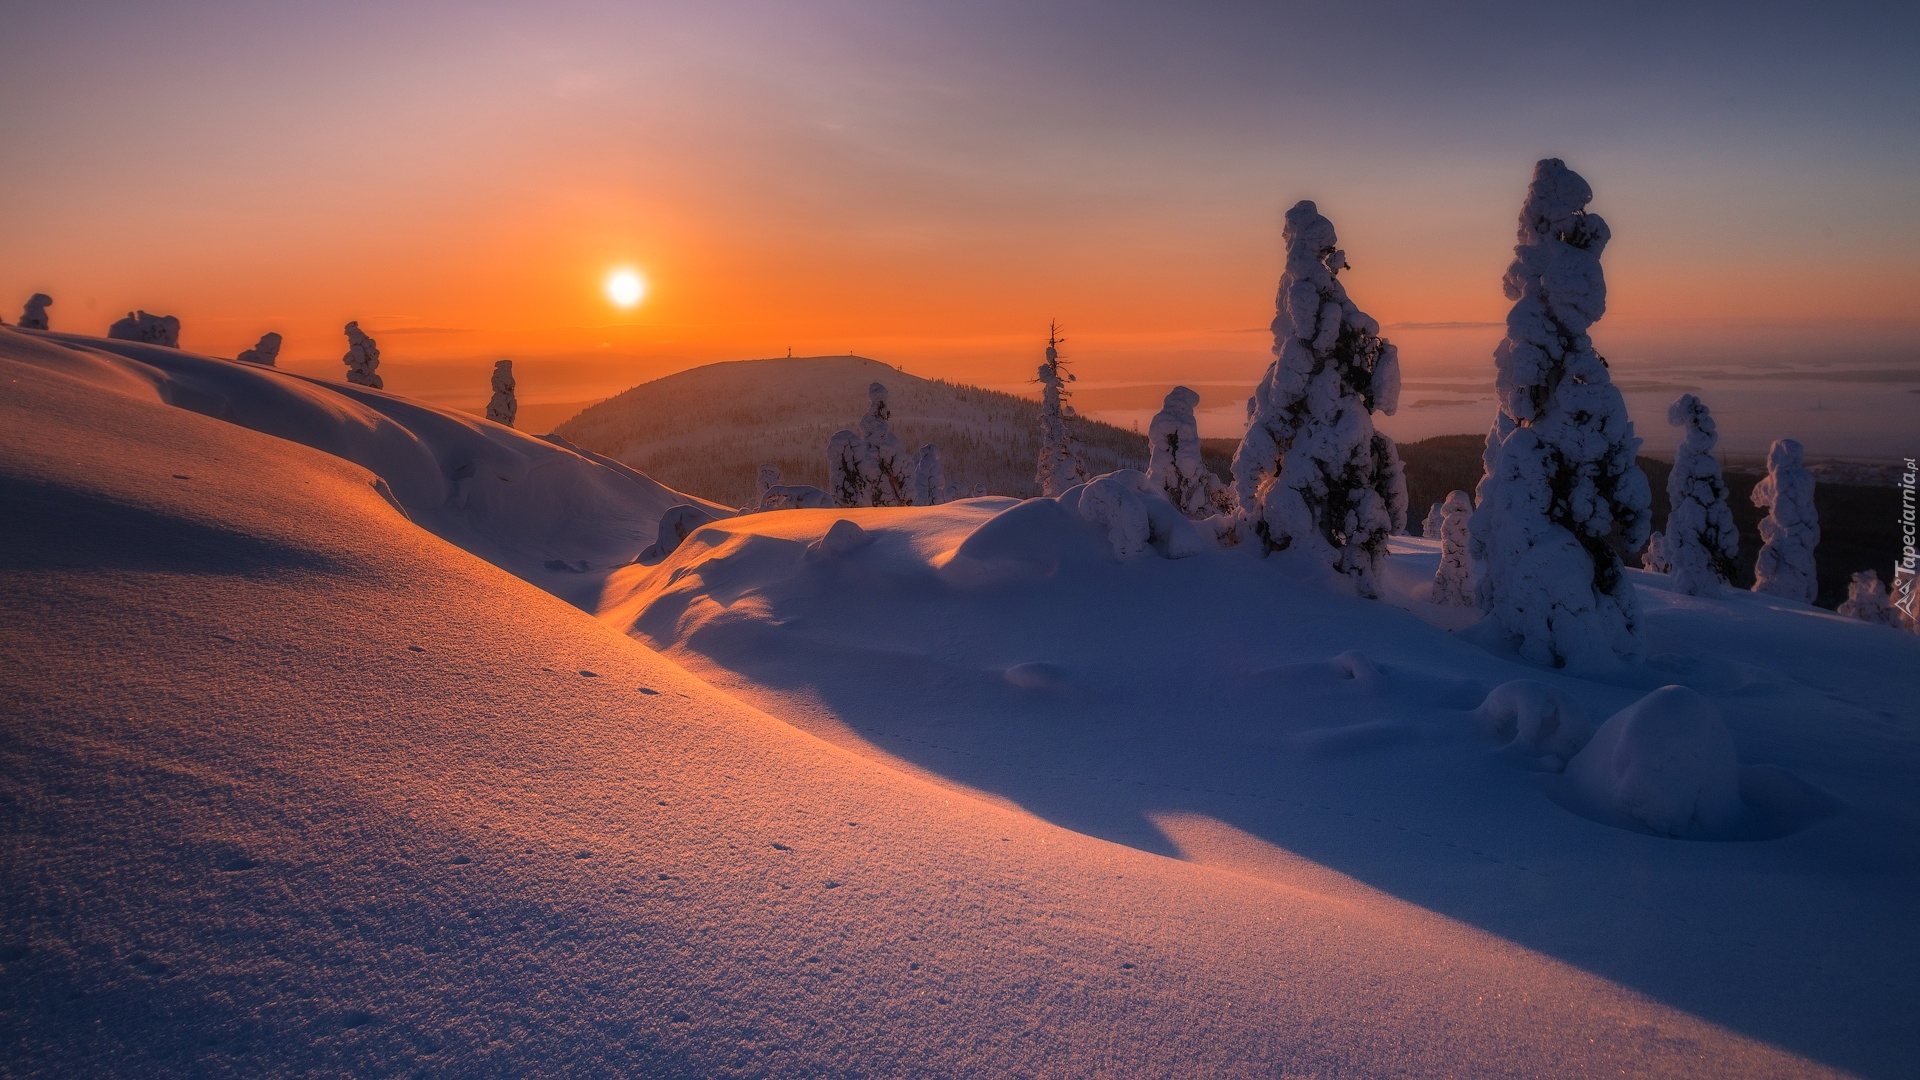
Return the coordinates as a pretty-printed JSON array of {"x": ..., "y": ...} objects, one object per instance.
[
  {"x": 1453, "y": 581},
  {"x": 929, "y": 477},
  {"x": 35, "y": 315},
  {"x": 1059, "y": 466},
  {"x": 1311, "y": 473},
  {"x": 1791, "y": 529},
  {"x": 883, "y": 459},
  {"x": 846, "y": 480},
  {"x": 150, "y": 329},
  {"x": 1655, "y": 559},
  {"x": 1436, "y": 516},
  {"x": 266, "y": 351},
  {"x": 503, "y": 406},
  {"x": 1868, "y": 600},
  {"x": 768, "y": 477},
  {"x": 362, "y": 358},
  {"x": 1561, "y": 484},
  {"x": 1174, "y": 467},
  {"x": 1702, "y": 540}
]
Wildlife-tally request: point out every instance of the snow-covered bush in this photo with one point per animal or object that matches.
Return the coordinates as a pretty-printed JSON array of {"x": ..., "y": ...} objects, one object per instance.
[
  {"x": 1667, "y": 761},
  {"x": 1436, "y": 516},
  {"x": 1059, "y": 466},
  {"x": 1174, "y": 467},
  {"x": 151, "y": 329},
  {"x": 1561, "y": 483},
  {"x": 883, "y": 458},
  {"x": 1655, "y": 558},
  {"x": 846, "y": 479},
  {"x": 1868, "y": 600},
  {"x": 503, "y": 406},
  {"x": 362, "y": 358},
  {"x": 1453, "y": 580},
  {"x": 1791, "y": 529},
  {"x": 676, "y": 524},
  {"x": 1701, "y": 538},
  {"x": 1312, "y": 473},
  {"x": 1137, "y": 517},
  {"x": 929, "y": 478},
  {"x": 34, "y": 317},
  {"x": 266, "y": 351},
  {"x": 1532, "y": 718},
  {"x": 795, "y": 497}
]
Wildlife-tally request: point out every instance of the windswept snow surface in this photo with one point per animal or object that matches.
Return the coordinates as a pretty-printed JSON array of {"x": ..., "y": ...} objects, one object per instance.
[
  {"x": 539, "y": 508},
  {"x": 1011, "y": 652}
]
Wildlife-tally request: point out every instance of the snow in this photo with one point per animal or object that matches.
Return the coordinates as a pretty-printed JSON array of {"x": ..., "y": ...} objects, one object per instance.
[
  {"x": 1137, "y": 518},
  {"x": 265, "y": 352},
  {"x": 152, "y": 329},
  {"x": 502, "y": 407},
  {"x": 34, "y": 315},
  {"x": 293, "y": 785},
  {"x": 678, "y": 523},
  {"x": 1667, "y": 761},
  {"x": 1560, "y": 477},
  {"x": 1532, "y": 718},
  {"x": 1701, "y": 540},
  {"x": 1791, "y": 529},
  {"x": 1174, "y": 467},
  {"x": 362, "y": 358}
]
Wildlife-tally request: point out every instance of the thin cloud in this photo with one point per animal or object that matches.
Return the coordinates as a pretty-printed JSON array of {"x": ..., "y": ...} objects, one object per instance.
[{"x": 1442, "y": 325}]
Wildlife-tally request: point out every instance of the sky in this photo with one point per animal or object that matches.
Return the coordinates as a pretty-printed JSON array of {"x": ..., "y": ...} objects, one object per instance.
[{"x": 929, "y": 184}]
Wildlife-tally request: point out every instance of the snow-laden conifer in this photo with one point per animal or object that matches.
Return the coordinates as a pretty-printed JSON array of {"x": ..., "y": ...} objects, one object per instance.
[
  {"x": 362, "y": 358},
  {"x": 1791, "y": 529},
  {"x": 1174, "y": 467},
  {"x": 1561, "y": 484},
  {"x": 1453, "y": 581},
  {"x": 34, "y": 317},
  {"x": 1701, "y": 539},
  {"x": 150, "y": 329},
  {"x": 266, "y": 351},
  {"x": 1059, "y": 466},
  {"x": 503, "y": 406},
  {"x": 883, "y": 458},
  {"x": 929, "y": 477},
  {"x": 1311, "y": 473},
  {"x": 846, "y": 479},
  {"x": 1868, "y": 600},
  {"x": 1655, "y": 559},
  {"x": 1436, "y": 515}
]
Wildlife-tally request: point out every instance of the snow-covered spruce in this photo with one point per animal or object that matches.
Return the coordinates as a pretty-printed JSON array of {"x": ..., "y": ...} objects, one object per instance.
[
  {"x": 1311, "y": 473},
  {"x": 266, "y": 351},
  {"x": 846, "y": 479},
  {"x": 1655, "y": 559},
  {"x": 503, "y": 406},
  {"x": 1174, "y": 467},
  {"x": 1453, "y": 581},
  {"x": 1791, "y": 529},
  {"x": 1436, "y": 516},
  {"x": 883, "y": 458},
  {"x": 150, "y": 329},
  {"x": 34, "y": 316},
  {"x": 1702, "y": 541},
  {"x": 1868, "y": 600},
  {"x": 1561, "y": 483},
  {"x": 1059, "y": 466},
  {"x": 929, "y": 477},
  {"x": 362, "y": 358}
]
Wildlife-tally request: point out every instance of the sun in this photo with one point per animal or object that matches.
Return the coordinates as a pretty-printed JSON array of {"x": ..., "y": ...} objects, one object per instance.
[{"x": 625, "y": 288}]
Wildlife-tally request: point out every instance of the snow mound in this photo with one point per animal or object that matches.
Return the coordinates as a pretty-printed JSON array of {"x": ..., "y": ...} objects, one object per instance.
[
  {"x": 1136, "y": 515},
  {"x": 676, "y": 525},
  {"x": 1667, "y": 762},
  {"x": 539, "y": 509},
  {"x": 843, "y": 538},
  {"x": 1532, "y": 718}
]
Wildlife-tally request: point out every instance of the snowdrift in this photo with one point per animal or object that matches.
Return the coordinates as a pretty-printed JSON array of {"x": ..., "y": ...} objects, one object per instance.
[
  {"x": 1023, "y": 651},
  {"x": 541, "y": 509},
  {"x": 291, "y": 786}
]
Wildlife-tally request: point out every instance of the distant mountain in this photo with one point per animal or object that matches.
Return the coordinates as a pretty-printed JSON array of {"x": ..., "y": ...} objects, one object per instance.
[{"x": 706, "y": 431}]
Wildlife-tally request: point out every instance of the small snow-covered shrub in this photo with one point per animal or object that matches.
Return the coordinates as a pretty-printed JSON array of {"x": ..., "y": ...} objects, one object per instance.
[
  {"x": 795, "y": 497},
  {"x": 1174, "y": 467},
  {"x": 1701, "y": 538},
  {"x": 1453, "y": 580},
  {"x": 1667, "y": 761},
  {"x": 266, "y": 351},
  {"x": 503, "y": 406},
  {"x": 1791, "y": 529},
  {"x": 1654, "y": 559},
  {"x": 1868, "y": 600},
  {"x": 1531, "y": 717},
  {"x": 1137, "y": 517},
  {"x": 1059, "y": 466},
  {"x": 1436, "y": 516},
  {"x": 846, "y": 480},
  {"x": 151, "y": 329},
  {"x": 929, "y": 478},
  {"x": 676, "y": 524},
  {"x": 1312, "y": 473},
  {"x": 1561, "y": 481},
  {"x": 34, "y": 317},
  {"x": 362, "y": 358}
]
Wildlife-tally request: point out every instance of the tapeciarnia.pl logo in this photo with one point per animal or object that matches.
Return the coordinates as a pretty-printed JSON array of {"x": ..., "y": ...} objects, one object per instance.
[{"x": 1903, "y": 568}]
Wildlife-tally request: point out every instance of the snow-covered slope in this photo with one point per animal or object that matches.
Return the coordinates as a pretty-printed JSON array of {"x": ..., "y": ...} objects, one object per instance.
[
  {"x": 293, "y": 786},
  {"x": 1001, "y": 647},
  {"x": 708, "y": 430},
  {"x": 539, "y": 508}
]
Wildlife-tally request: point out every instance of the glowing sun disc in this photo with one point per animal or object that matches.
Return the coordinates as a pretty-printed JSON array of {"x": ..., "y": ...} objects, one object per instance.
[{"x": 625, "y": 288}]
